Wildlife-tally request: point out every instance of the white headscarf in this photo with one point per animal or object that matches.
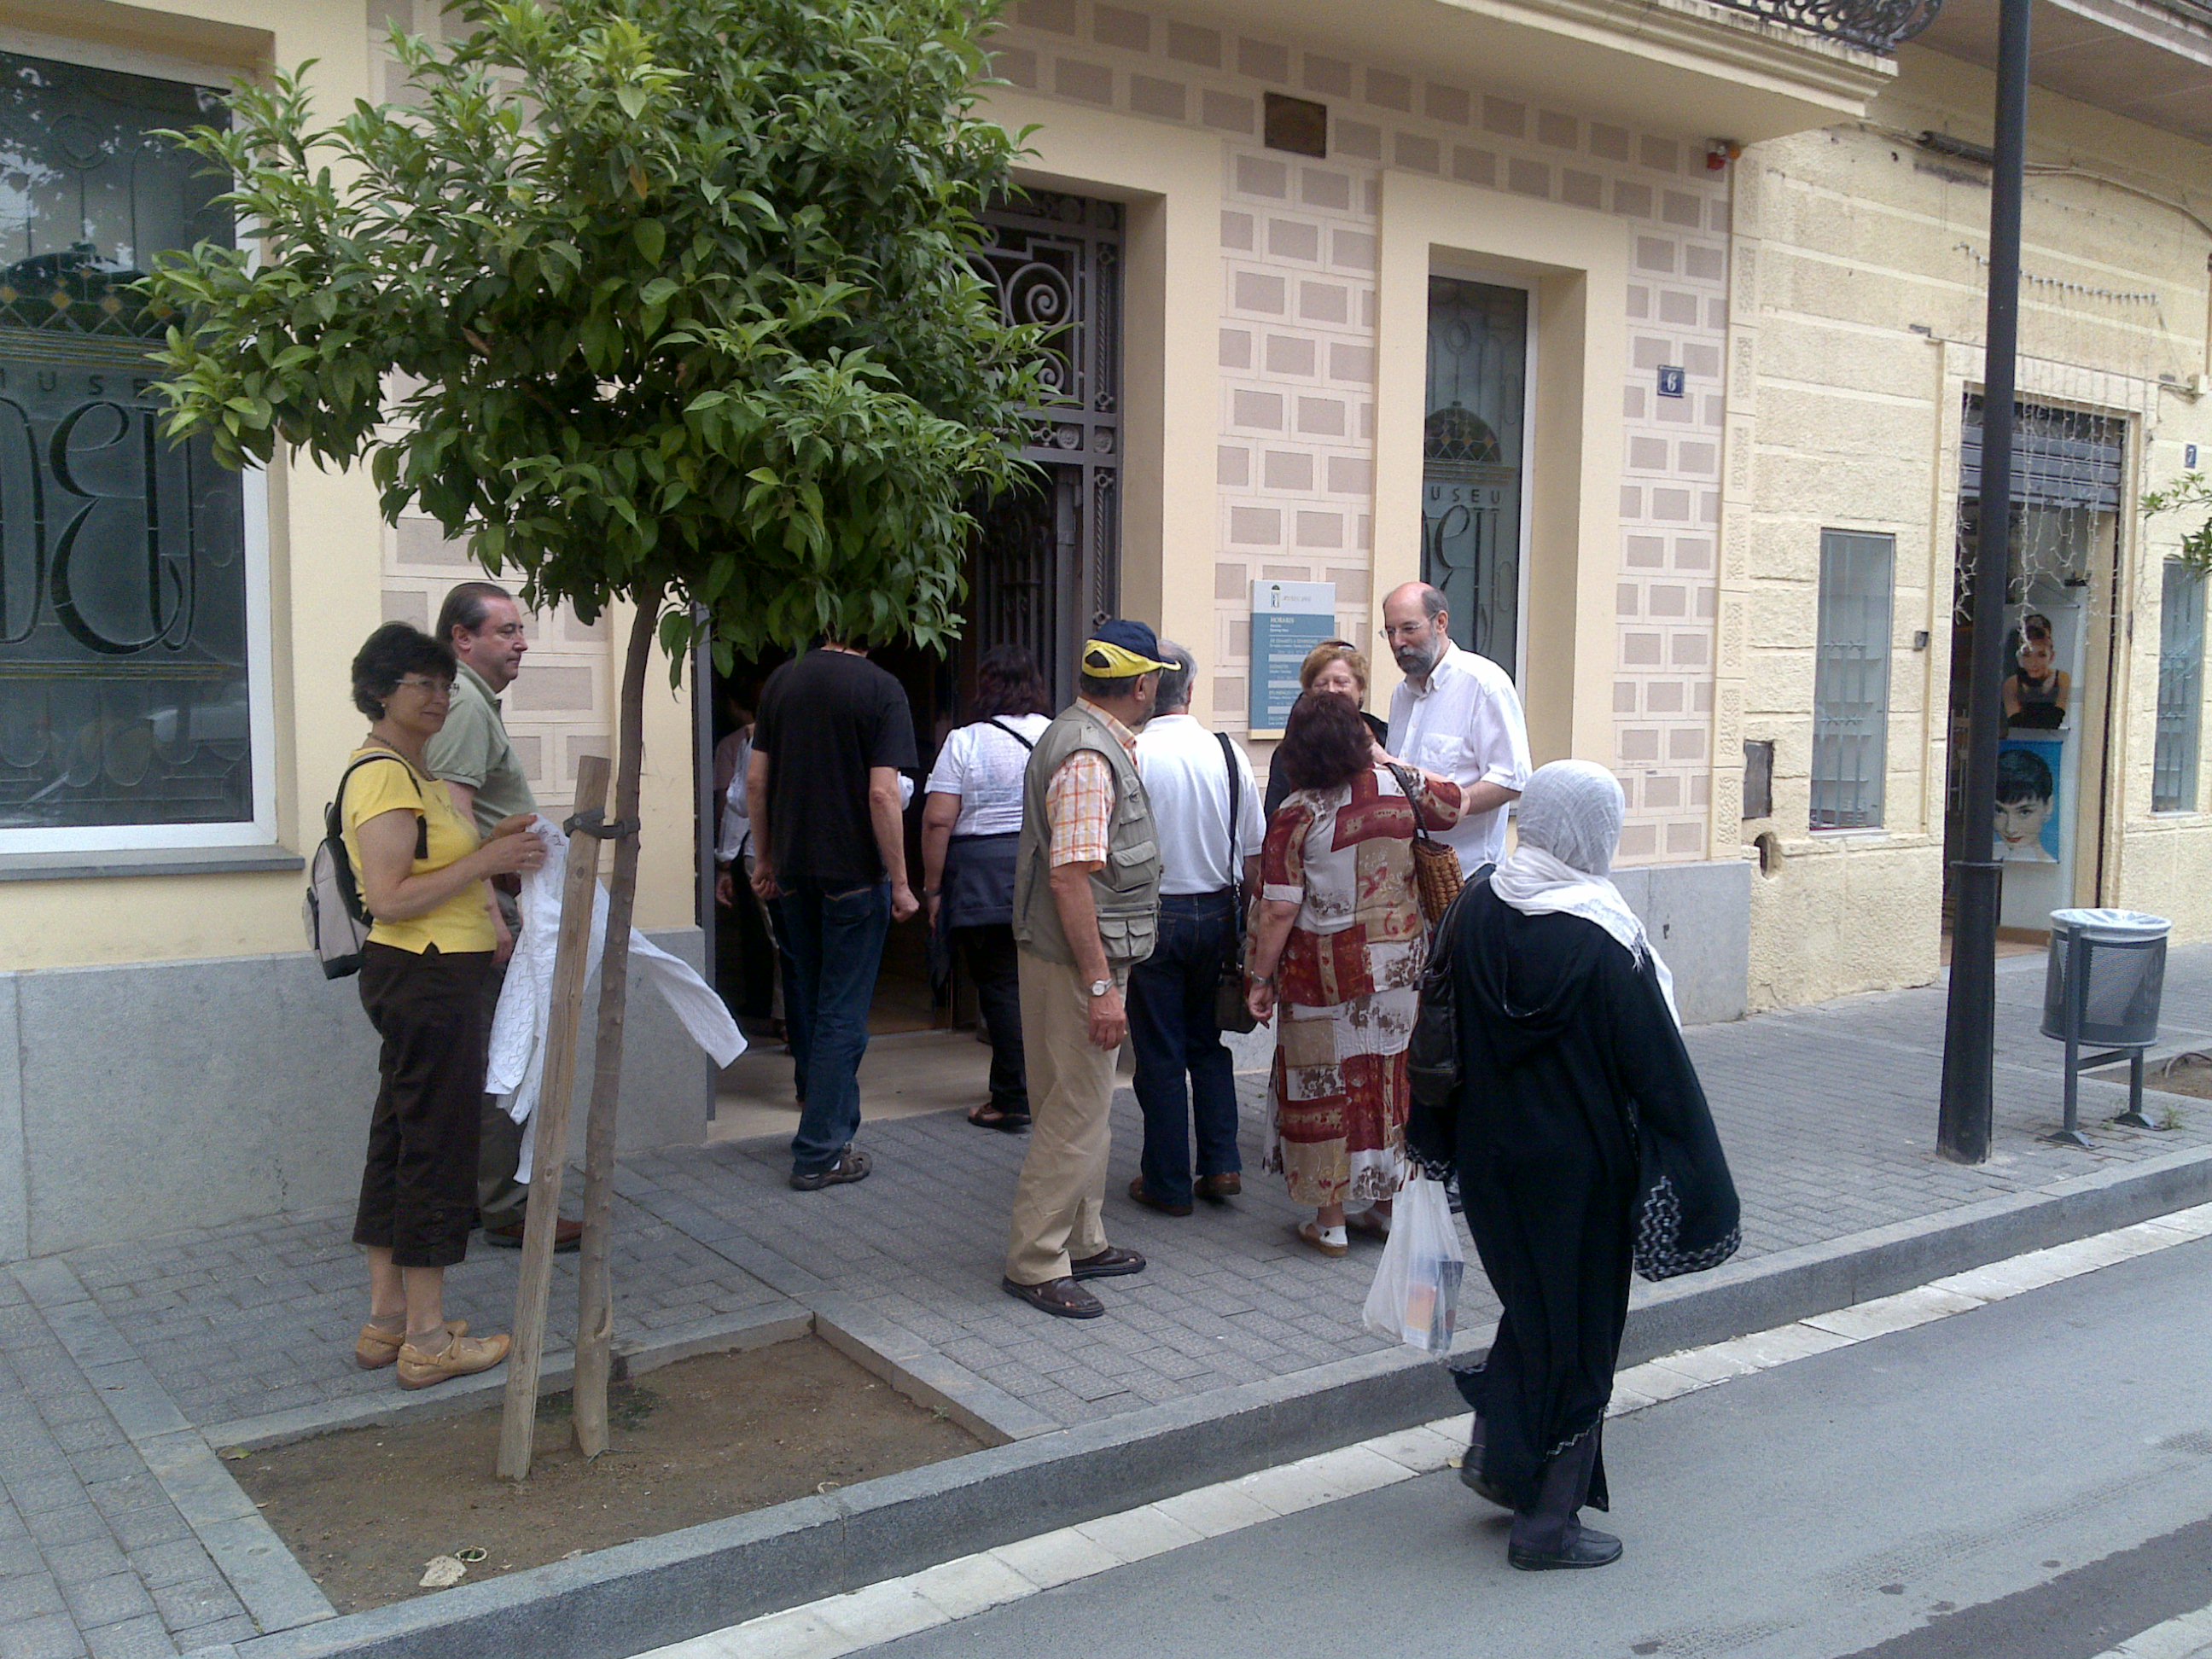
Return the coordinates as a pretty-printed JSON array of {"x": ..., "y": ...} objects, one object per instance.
[{"x": 1570, "y": 819}]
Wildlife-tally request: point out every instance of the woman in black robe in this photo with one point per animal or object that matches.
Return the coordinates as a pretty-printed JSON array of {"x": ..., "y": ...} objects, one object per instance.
[{"x": 1584, "y": 1146}]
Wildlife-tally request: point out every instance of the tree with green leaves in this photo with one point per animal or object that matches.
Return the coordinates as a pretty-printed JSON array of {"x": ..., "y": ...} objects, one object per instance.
[
  {"x": 2191, "y": 489},
  {"x": 659, "y": 301}
]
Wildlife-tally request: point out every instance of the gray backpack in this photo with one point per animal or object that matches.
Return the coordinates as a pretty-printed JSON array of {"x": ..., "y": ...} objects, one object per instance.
[{"x": 338, "y": 920}]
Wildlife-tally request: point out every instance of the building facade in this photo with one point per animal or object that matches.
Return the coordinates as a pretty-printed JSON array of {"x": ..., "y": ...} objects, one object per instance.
[
  {"x": 1859, "y": 259},
  {"x": 1650, "y": 333},
  {"x": 174, "y": 702}
]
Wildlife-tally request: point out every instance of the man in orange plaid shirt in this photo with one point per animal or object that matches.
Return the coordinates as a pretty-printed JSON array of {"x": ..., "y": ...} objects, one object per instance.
[{"x": 1086, "y": 910}]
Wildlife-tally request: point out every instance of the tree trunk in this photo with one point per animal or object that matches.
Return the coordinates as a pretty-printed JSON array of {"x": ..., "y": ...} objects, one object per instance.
[{"x": 595, "y": 1297}]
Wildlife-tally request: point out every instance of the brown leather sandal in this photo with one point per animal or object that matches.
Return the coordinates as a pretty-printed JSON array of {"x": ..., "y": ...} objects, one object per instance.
[
  {"x": 1062, "y": 1297},
  {"x": 1109, "y": 1263}
]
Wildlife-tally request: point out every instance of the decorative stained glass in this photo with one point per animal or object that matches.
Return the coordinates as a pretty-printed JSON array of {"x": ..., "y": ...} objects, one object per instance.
[
  {"x": 124, "y": 634},
  {"x": 1472, "y": 461}
]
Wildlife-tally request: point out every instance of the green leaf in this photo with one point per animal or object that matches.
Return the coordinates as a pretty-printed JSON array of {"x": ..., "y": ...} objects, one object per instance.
[{"x": 652, "y": 239}]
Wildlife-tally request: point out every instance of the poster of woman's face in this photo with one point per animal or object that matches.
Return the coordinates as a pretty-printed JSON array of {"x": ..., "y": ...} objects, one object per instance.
[
  {"x": 2027, "y": 801},
  {"x": 2037, "y": 690}
]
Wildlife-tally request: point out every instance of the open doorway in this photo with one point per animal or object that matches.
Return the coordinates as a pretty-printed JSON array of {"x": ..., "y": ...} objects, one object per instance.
[
  {"x": 1045, "y": 563},
  {"x": 2060, "y": 614},
  {"x": 744, "y": 961}
]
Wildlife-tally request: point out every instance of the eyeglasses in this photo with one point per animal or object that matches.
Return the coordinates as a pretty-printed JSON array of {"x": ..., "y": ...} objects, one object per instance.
[
  {"x": 1406, "y": 630},
  {"x": 429, "y": 688}
]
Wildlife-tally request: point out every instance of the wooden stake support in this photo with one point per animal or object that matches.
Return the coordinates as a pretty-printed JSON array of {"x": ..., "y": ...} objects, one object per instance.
[
  {"x": 571, "y": 966},
  {"x": 595, "y": 1295}
]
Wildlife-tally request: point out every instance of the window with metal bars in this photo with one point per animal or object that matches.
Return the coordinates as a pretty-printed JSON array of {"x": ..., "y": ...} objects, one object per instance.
[
  {"x": 1850, "y": 680},
  {"x": 2180, "y": 689}
]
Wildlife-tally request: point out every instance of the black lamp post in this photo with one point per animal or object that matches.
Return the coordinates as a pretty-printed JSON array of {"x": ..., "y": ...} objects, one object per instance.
[{"x": 1962, "y": 1132}]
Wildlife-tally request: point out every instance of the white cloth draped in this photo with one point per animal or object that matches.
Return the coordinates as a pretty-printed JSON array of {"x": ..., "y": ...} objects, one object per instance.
[
  {"x": 517, "y": 1068},
  {"x": 1570, "y": 821}
]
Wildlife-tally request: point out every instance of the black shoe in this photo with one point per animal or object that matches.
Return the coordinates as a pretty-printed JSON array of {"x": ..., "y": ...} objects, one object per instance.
[
  {"x": 1145, "y": 1196},
  {"x": 851, "y": 1165},
  {"x": 1470, "y": 1476},
  {"x": 1588, "y": 1547}
]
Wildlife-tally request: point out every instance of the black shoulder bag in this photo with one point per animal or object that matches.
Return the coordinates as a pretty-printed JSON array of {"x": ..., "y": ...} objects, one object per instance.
[
  {"x": 1432, "y": 1053},
  {"x": 1230, "y": 1011}
]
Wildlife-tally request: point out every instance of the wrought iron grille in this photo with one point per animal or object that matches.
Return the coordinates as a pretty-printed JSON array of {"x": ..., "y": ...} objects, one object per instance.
[
  {"x": 1048, "y": 559},
  {"x": 1875, "y": 26},
  {"x": 1850, "y": 680},
  {"x": 2180, "y": 689}
]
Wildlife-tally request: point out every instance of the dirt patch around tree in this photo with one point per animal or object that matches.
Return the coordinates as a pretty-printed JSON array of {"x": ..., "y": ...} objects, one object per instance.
[
  {"x": 2185, "y": 1075},
  {"x": 366, "y": 1510}
]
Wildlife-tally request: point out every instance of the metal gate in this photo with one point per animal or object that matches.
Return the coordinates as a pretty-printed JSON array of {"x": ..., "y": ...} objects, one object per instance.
[{"x": 1049, "y": 554}]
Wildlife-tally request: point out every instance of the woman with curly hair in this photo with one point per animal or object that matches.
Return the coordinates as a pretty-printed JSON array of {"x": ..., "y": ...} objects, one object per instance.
[
  {"x": 1338, "y": 945},
  {"x": 1336, "y": 666},
  {"x": 421, "y": 870}
]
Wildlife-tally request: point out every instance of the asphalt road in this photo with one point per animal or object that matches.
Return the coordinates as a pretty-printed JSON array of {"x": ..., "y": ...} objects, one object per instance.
[{"x": 2032, "y": 1479}]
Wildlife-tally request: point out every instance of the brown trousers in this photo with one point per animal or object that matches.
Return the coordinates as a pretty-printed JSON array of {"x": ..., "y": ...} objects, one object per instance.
[{"x": 418, "y": 1181}]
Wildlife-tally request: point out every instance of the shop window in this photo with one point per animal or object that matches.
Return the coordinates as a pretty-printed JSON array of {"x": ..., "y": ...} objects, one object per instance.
[
  {"x": 1472, "y": 461},
  {"x": 1850, "y": 680},
  {"x": 133, "y": 707},
  {"x": 2180, "y": 689}
]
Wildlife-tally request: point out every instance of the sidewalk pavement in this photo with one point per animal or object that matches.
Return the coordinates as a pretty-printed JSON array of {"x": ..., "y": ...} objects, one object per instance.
[{"x": 124, "y": 1370}]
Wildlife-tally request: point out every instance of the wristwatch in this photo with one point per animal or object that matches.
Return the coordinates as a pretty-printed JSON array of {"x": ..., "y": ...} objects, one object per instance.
[{"x": 1099, "y": 988}]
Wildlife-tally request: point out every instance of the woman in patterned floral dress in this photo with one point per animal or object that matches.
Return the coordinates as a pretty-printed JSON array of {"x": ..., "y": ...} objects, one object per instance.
[{"x": 1338, "y": 947}]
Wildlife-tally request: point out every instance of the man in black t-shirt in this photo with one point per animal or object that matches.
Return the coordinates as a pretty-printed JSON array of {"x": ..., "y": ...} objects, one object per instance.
[{"x": 830, "y": 855}]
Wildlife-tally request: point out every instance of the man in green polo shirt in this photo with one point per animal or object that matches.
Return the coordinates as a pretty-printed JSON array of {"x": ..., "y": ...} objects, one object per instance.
[{"x": 485, "y": 625}]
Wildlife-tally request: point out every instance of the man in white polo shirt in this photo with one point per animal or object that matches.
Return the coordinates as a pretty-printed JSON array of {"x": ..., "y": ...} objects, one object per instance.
[
  {"x": 1186, "y": 1082},
  {"x": 1457, "y": 715}
]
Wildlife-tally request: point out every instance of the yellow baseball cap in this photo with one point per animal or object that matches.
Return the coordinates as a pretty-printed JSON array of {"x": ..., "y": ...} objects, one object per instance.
[{"x": 1120, "y": 650}]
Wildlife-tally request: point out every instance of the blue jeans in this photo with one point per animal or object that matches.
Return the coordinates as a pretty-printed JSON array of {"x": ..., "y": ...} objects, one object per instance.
[
  {"x": 1171, "y": 1023},
  {"x": 835, "y": 945}
]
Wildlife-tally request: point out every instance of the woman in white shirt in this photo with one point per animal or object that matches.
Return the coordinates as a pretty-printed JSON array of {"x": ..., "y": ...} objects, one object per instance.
[{"x": 971, "y": 824}]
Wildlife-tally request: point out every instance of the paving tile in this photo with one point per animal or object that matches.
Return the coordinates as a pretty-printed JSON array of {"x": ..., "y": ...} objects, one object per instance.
[
  {"x": 108, "y": 1600},
  {"x": 51, "y": 1636},
  {"x": 134, "y": 1638}
]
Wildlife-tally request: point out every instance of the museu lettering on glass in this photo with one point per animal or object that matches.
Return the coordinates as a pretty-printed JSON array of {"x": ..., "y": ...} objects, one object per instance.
[
  {"x": 1472, "y": 437},
  {"x": 123, "y": 690}
]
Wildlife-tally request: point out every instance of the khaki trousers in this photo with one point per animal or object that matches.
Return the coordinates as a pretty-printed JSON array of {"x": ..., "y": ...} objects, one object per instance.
[{"x": 1062, "y": 1191}]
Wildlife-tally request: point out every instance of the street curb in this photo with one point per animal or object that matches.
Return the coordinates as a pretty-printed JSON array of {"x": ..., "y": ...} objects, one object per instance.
[
  {"x": 642, "y": 1595},
  {"x": 754, "y": 1327}
]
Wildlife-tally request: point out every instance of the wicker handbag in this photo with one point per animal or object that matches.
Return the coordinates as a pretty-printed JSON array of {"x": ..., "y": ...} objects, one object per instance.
[{"x": 1436, "y": 867}]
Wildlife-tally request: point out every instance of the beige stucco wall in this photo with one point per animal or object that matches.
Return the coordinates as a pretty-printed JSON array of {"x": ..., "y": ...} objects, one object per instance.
[
  {"x": 1860, "y": 291},
  {"x": 336, "y": 570}
]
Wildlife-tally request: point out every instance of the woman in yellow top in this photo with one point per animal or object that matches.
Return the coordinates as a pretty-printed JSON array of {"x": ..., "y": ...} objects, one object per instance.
[{"x": 421, "y": 872}]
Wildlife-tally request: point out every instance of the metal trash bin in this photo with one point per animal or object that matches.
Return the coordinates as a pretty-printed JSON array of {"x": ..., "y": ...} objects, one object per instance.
[{"x": 2102, "y": 985}]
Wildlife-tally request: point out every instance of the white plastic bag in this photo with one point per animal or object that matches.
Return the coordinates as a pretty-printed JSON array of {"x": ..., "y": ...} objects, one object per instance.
[{"x": 1417, "y": 1287}]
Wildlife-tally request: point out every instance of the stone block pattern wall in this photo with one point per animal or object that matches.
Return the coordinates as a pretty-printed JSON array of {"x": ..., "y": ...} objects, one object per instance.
[
  {"x": 1297, "y": 341},
  {"x": 562, "y": 705}
]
